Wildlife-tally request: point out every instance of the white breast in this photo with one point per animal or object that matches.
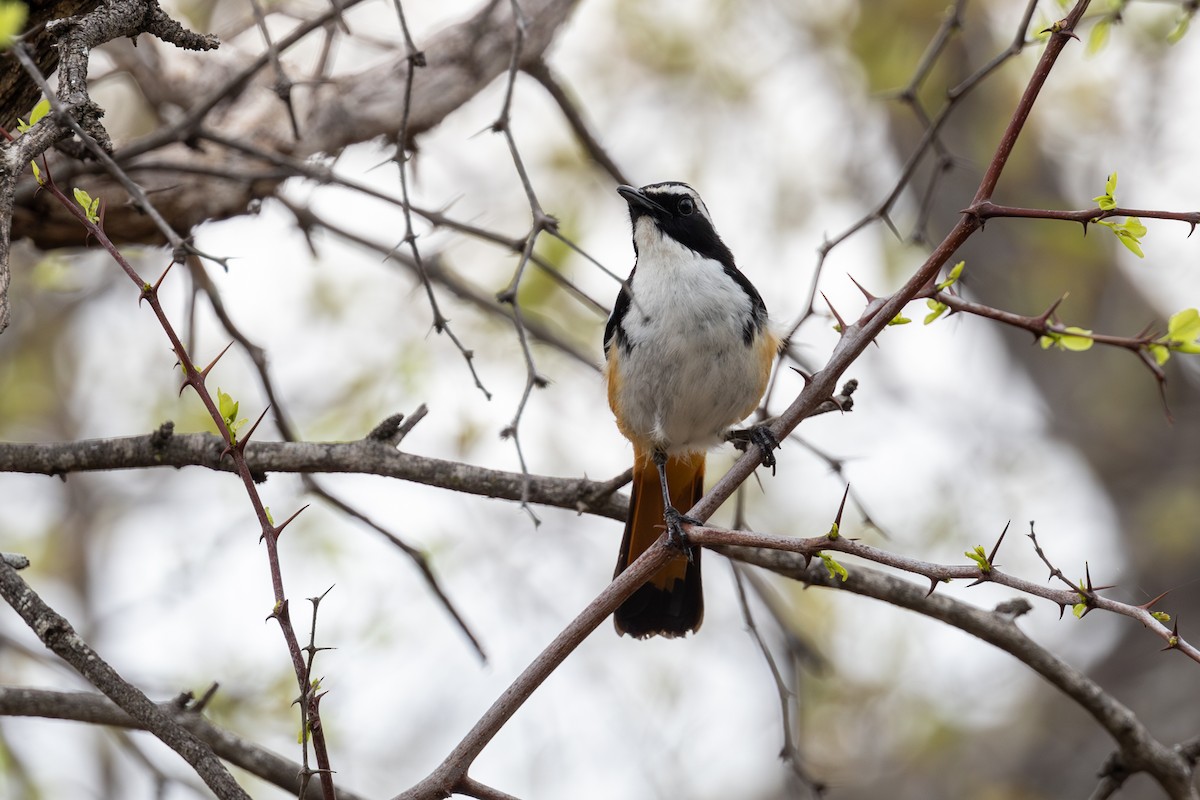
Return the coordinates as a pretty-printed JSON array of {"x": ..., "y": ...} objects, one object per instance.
[{"x": 688, "y": 374}]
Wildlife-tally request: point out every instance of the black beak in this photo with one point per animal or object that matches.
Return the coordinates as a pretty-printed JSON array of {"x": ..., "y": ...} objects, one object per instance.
[{"x": 637, "y": 199}]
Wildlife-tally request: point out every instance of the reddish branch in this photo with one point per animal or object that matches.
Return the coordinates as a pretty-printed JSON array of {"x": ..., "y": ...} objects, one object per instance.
[
  {"x": 820, "y": 387},
  {"x": 1138, "y": 751},
  {"x": 988, "y": 210},
  {"x": 235, "y": 450},
  {"x": 944, "y": 573}
]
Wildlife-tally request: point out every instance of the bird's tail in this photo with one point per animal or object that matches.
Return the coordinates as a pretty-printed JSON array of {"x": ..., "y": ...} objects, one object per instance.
[{"x": 671, "y": 603}]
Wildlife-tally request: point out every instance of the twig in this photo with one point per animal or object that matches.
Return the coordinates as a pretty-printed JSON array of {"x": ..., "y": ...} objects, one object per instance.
[
  {"x": 541, "y": 72},
  {"x": 418, "y": 558},
  {"x": 235, "y": 449},
  {"x": 1141, "y": 750},
  {"x": 283, "y": 84},
  {"x": 452, "y": 772},
  {"x": 364, "y": 456},
  {"x": 790, "y": 751},
  {"x": 58, "y": 635},
  {"x": 857, "y": 336},
  {"x": 441, "y": 274},
  {"x": 940, "y": 573},
  {"x": 97, "y": 709},
  {"x": 416, "y": 60},
  {"x": 928, "y": 139},
  {"x": 258, "y": 357},
  {"x": 541, "y": 222}
]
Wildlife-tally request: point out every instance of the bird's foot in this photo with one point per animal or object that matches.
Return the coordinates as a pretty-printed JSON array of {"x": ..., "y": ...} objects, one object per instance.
[
  {"x": 676, "y": 535},
  {"x": 760, "y": 435}
]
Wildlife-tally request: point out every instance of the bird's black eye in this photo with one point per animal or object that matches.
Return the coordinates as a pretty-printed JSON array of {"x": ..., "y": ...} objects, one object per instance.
[{"x": 686, "y": 207}]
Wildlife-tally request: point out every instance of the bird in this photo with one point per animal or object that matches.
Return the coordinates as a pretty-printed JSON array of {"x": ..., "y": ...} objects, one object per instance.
[{"x": 688, "y": 351}]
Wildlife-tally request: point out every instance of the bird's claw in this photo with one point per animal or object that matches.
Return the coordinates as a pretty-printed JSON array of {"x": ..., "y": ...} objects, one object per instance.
[
  {"x": 760, "y": 435},
  {"x": 676, "y": 535}
]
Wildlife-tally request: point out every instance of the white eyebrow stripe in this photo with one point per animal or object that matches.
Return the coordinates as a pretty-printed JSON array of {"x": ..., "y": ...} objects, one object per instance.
[
  {"x": 676, "y": 189},
  {"x": 670, "y": 188}
]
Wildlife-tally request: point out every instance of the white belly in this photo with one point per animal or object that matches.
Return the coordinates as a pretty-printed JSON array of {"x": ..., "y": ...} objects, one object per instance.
[{"x": 688, "y": 373}]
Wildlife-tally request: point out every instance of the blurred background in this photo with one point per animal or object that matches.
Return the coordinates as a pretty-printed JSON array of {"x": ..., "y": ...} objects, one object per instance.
[{"x": 784, "y": 115}]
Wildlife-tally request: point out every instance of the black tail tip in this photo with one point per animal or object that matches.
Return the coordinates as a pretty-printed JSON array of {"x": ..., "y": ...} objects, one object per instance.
[{"x": 653, "y": 611}]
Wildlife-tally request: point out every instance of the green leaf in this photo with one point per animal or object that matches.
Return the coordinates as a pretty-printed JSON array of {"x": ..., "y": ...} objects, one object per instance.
[
  {"x": 37, "y": 174},
  {"x": 1134, "y": 227},
  {"x": 1182, "y": 336},
  {"x": 1099, "y": 35},
  {"x": 40, "y": 110},
  {"x": 836, "y": 570},
  {"x": 226, "y": 405},
  {"x": 229, "y": 409},
  {"x": 12, "y": 20},
  {"x": 979, "y": 556},
  {"x": 833, "y": 531},
  {"x": 899, "y": 319},
  {"x": 1159, "y": 353},
  {"x": 1180, "y": 30},
  {"x": 938, "y": 308},
  {"x": 1079, "y": 609},
  {"x": 1107, "y": 201},
  {"x": 952, "y": 278},
  {"x": 1128, "y": 233},
  {"x": 1184, "y": 327},
  {"x": 1070, "y": 338},
  {"x": 1161, "y": 616},
  {"x": 1134, "y": 246},
  {"x": 91, "y": 206},
  {"x": 1076, "y": 339}
]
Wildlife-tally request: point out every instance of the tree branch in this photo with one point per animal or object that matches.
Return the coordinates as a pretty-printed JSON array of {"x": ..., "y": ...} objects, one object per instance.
[
  {"x": 463, "y": 59},
  {"x": 58, "y": 635},
  {"x": 1139, "y": 750},
  {"x": 367, "y": 456},
  {"x": 99, "y": 710},
  {"x": 806, "y": 548}
]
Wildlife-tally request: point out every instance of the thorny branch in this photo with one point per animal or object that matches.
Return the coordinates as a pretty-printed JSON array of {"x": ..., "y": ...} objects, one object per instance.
[
  {"x": 1136, "y": 751},
  {"x": 58, "y": 635},
  {"x": 235, "y": 450},
  {"x": 185, "y": 710},
  {"x": 1139, "y": 749},
  {"x": 368, "y": 456},
  {"x": 72, "y": 108},
  {"x": 855, "y": 337},
  {"x": 951, "y": 25},
  {"x": 415, "y": 61},
  {"x": 944, "y": 573}
]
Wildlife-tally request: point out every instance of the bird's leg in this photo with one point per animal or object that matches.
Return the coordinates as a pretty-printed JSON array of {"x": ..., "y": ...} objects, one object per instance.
[
  {"x": 760, "y": 435},
  {"x": 672, "y": 516}
]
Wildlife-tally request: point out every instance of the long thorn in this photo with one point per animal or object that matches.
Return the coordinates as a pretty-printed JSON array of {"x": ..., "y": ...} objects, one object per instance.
[
  {"x": 992, "y": 555},
  {"x": 204, "y": 372},
  {"x": 246, "y": 437},
  {"x": 278, "y": 529}
]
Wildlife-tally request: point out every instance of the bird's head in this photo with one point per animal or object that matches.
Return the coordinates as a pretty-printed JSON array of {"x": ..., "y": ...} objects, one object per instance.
[{"x": 673, "y": 213}]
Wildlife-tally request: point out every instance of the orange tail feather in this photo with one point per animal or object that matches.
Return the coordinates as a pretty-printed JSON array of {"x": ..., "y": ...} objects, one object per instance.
[{"x": 671, "y": 603}]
